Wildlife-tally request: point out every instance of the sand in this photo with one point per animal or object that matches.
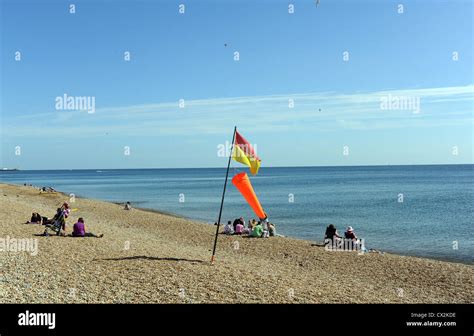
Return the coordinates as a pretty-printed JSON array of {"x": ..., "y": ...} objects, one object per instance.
[{"x": 148, "y": 257}]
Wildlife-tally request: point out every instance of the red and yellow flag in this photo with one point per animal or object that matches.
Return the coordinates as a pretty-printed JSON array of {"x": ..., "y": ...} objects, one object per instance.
[{"x": 243, "y": 152}]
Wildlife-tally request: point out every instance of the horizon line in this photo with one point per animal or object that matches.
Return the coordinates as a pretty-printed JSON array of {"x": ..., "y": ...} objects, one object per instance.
[{"x": 328, "y": 166}]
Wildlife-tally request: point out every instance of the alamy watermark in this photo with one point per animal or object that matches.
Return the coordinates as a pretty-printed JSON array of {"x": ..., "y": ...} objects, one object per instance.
[
  {"x": 345, "y": 245},
  {"x": 224, "y": 150},
  {"x": 75, "y": 103},
  {"x": 37, "y": 319},
  {"x": 8, "y": 244},
  {"x": 404, "y": 103}
]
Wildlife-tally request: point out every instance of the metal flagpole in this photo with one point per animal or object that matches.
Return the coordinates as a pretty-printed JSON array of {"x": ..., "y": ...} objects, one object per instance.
[{"x": 222, "y": 200}]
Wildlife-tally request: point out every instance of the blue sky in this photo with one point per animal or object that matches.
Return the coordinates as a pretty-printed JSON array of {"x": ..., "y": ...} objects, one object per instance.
[{"x": 190, "y": 56}]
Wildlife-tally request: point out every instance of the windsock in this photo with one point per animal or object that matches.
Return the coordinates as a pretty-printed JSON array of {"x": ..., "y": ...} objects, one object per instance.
[{"x": 242, "y": 183}]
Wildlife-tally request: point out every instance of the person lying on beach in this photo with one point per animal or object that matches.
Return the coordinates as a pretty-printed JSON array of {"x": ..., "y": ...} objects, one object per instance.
[
  {"x": 79, "y": 230},
  {"x": 35, "y": 218},
  {"x": 257, "y": 231},
  {"x": 128, "y": 206},
  {"x": 229, "y": 229}
]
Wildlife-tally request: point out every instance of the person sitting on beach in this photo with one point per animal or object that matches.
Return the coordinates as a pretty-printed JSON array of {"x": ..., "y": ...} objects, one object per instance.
[
  {"x": 331, "y": 233},
  {"x": 237, "y": 221},
  {"x": 128, "y": 206},
  {"x": 272, "y": 229},
  {"x": 79, "y": 230},
  {"x": 349, "y": 234},
  {"x": 248, "y": 229},
  {"x": 257, "y": 231},
  {"x": 35, "y": 218},
  {"x": 239, "y": 229},
  {"x": 254, "y": 223},
  {"x": 229, "y": 229}
]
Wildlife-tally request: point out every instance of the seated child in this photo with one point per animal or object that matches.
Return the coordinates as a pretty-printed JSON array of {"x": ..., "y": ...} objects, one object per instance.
[{"x": 229, "y": 228}]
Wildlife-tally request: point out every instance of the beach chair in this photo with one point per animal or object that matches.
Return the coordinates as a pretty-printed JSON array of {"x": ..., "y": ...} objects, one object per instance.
[{"x": 56, "y": 226}]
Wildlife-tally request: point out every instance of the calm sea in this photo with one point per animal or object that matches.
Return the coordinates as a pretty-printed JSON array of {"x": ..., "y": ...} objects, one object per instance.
[{"x": 413, "y": 210}]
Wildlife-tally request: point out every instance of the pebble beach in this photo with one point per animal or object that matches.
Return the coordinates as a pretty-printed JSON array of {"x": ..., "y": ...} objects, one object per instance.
[{"x": 151, "y": 257}]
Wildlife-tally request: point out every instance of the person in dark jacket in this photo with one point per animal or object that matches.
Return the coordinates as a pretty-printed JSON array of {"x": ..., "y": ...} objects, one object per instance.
[{"x": 331, "y": 233}]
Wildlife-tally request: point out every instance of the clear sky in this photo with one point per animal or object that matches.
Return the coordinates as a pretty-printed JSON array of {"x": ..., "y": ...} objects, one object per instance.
[{"x": 422, "y": 55}]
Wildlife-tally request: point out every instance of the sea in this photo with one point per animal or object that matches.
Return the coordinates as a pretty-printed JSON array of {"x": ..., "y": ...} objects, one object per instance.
[{"x": 422, "y": 210}]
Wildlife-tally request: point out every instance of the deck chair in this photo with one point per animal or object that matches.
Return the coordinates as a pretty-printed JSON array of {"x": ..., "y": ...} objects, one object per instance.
[{"x": 56, "y": 226}]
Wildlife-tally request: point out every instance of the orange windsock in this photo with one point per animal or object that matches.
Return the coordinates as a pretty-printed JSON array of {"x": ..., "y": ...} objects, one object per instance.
[{"x": 242, "y": 182}]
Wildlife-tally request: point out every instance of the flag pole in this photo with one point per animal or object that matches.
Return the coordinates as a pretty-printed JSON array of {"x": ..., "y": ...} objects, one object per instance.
[{"x": 222, "y": 200}]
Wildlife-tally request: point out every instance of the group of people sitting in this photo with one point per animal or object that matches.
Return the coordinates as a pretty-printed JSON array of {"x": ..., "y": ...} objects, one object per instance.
[
  {"x": 331, "y": 233},
  {"x": 254, "y": 228},
  {"x": 349, "y": 241},
  {"x": 58, "y": 221},
  {"x": 62, "y": 212}
]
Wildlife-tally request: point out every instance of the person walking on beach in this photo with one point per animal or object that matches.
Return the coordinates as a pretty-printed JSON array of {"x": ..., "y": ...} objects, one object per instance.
[{"x": 79, "y": 230}]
